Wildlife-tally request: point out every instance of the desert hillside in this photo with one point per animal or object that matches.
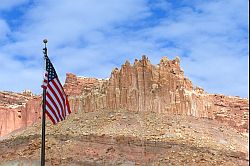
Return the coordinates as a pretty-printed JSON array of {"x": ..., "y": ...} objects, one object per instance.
[
  {"x": 122, "y": 137},
  {"x": 144, "y": 114}
]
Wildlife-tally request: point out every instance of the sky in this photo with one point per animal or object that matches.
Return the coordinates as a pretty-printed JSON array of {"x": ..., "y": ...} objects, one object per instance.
[{"x": 91, "y": 37}]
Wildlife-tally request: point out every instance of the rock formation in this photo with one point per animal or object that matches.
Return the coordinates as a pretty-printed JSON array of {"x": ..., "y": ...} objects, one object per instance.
[
  {"x": 139, "y": 87},
  {"x": 162, "y": 88},
  {"x": 18, "y": 110}
]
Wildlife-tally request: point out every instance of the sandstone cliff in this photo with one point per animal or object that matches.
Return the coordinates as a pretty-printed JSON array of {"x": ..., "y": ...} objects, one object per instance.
[
  {"x": 138, "y": 87},
  {"x": 162, "y": 88},
  {"x": 18, "y": 110}
]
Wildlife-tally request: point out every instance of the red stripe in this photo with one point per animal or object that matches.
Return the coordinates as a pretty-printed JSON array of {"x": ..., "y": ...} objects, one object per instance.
[
  {"x": 60, "y": 84},
  {"x": 56, "y": 113},
  {"x": 67, "y": 102},
  {"x": 61, "y": 95},
  {"x": 51, "y": 118},
  {"x": 64, "y": 96},
  {"x": 55, "y": 105},
  {"x": 47, "y": 104},
  {"x": 56, "y": 96}
]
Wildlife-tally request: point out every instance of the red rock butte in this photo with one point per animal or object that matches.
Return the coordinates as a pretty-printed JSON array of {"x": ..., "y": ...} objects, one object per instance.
[{"x": 142, "y": 86}]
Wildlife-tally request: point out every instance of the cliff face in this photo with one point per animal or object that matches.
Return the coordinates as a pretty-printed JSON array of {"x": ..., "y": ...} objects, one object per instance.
[
  {"x": 162, "y": 88},
  {"x": 138, "y": 87},
  {"x": 18, "y": 110}
]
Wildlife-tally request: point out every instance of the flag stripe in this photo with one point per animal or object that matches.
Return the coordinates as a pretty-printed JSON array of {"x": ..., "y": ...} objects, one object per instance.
[
  {"x": 49, "y": 109},
  {"x": 59, "y": 86},
  {"x": 56, "y": 100},
  {"x": 55, "y": 108},
  {"x": 52, "y": 106},
  {"x": 55, "y": 94},
  {"x": 51, "y": 118},
  {"x": 62, "y": 97},
  {"x": 67, "y": 110}
]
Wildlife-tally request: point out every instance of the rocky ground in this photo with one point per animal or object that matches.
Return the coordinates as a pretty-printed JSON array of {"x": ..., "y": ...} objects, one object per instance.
[{"x": 128, "y": 138}]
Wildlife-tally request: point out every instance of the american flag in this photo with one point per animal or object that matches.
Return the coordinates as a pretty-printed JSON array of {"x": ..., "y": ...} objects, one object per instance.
[{"x": 57, "y": 105}]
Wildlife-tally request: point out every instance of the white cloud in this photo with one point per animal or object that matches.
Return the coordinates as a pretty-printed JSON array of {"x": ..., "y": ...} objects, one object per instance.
[
  {"x": 75, "y": 30},
  {"x": 214, "y": 44},
  {"x": 91, "y": 37},
  {"x": 15, "y": 75}
]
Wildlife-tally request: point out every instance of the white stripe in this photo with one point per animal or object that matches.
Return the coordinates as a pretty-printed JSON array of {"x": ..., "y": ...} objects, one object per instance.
[
  {"x": 59, "y": 86},
  {"x": 56, "y": 102},
  {"x": 52, "y": 105},
  {"x": 51, "y": 114},
  {"x": 62, "y": 91},
  {"x": 58, "y": 95}
]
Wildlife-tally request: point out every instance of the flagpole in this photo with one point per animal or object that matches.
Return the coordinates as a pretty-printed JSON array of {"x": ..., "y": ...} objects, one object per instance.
[{"x": 44, "y": 107}]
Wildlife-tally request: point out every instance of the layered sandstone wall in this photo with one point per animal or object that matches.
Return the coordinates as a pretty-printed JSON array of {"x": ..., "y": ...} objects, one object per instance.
[
  {"x": 18, "y": 110},
  {"x": 161, "y": 88},
  {"x": 232, "y": 110},
  {"x": 139, "y": 87}
]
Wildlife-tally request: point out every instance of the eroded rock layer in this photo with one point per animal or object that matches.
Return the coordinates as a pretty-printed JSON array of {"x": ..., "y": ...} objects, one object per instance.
[
  {"x": 18, "y": 110},
  {"x": 161, "y": 88},
  {"x": 135, "y": 87}
]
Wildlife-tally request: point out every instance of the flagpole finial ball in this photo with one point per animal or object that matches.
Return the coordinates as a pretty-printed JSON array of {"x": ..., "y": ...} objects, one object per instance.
[{"x": 45, "y": 41}]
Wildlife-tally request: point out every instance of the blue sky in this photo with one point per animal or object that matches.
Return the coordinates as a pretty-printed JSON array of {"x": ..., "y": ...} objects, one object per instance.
[{"x": 91, "y": 37}]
